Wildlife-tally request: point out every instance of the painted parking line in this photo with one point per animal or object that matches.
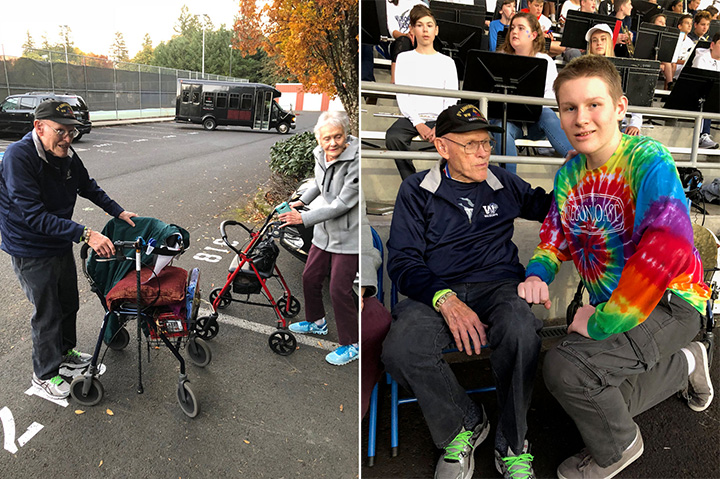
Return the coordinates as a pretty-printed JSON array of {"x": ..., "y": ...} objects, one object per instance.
[{"x": 313, "y": 341}]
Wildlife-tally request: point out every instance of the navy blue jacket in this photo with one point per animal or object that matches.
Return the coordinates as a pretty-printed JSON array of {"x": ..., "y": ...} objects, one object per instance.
[
  {"x": 38, "y": 192},
  {"x": 434, "y": 243}
]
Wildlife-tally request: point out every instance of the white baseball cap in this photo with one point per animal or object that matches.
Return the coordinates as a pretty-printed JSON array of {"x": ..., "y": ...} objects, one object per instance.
[{"x": 600, "y": 27}]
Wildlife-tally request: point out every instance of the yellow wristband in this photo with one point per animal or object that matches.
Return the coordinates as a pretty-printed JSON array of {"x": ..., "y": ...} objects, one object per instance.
[{"x": 441, "y": 296}]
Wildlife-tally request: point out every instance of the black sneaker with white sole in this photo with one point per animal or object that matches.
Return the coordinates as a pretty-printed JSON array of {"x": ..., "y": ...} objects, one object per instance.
[{"x": 74, "y": 359}]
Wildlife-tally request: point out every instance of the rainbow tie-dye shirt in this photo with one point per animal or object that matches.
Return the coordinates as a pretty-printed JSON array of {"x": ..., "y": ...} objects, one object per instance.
[{"x": 626, "y": 226}]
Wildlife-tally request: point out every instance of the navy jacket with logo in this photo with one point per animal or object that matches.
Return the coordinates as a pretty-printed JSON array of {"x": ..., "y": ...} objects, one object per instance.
[
  {"x": 434, "y": 244},
  {"x": 38, "y": 192}
]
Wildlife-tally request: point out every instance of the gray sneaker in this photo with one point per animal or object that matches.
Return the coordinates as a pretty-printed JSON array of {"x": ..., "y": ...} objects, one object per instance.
[
  {"x": 583, "y": 466},
  {"x": 514, "y": 466},
  {"x": 74, "y": 359},
  {"x": 55, "y": 387},
  {"x": 458, "y": 462},
  {"x": 700, "y": 389},
  {"x": 707, "y": 142}
]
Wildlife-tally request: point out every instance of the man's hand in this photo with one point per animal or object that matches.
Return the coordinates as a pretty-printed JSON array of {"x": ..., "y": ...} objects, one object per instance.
[
  {"x": 297, "y": 204},
  {"x": 101, "y": 244},
  {"x": 291, "y": 218},
  {"x": 427, "y": 133},
  {"x": 464, "y": 325},
  {"x": 535, "y": 291},
  {"x": 580, "y": 321},
  {"x": 126, "y": 215},
  {"x": 632, "y": 131}
]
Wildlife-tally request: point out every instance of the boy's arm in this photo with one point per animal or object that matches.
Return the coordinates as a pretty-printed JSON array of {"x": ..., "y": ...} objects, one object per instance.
[{"x": 664, "y": 252}]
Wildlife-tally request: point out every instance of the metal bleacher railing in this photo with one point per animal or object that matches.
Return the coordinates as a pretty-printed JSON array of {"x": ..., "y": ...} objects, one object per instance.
[{"x": 370, "y": 88}]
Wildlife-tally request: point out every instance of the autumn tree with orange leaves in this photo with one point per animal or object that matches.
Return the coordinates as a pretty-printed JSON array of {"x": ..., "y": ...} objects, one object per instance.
[{"x": 317, "y": 40}]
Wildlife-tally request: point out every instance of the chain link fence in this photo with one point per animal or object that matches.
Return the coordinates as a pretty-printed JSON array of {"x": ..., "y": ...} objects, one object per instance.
[{"x": 112, "y": 90}]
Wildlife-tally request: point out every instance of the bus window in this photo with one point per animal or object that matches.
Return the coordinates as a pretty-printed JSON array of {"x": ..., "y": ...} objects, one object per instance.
[
  {"x": 186, "y": 93},
  {"x": 246, "y": 103},
  {"x": 195, "y": 97},
  {"x": 234, "y": 101},
  {"x": 209, "y": 100},
  {"x": 221, "y": 100}
]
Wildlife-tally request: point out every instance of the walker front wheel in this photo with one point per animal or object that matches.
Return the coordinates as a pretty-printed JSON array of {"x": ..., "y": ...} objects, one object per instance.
[
  {"x": 282, "y": 343},
  {"x": 224, "y": 301},
  {"x": 206, "y": 327},
  {"x": 293, "y": 310},
  {"x": 94, "y": 394},
  {"x": 186, "y": 399}
]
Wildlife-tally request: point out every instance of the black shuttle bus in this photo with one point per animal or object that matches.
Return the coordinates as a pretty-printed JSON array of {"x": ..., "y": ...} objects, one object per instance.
[{"x": 212, "y": 103}]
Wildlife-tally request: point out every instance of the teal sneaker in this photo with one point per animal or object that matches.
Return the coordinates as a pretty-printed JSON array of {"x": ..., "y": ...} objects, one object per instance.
[
  {"x": 458, "y": 461},
  {"x": 304, "y": 327},
  {"x": 515, "y": 467},
  {"x": 74, "y": 359},
  {"x": 342, "y": 355}
]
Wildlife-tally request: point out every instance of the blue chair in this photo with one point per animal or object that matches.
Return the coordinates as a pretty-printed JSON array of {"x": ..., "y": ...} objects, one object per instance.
[
  {"x": 372, "y": 410},
  {"x": 396, "y": 400}
]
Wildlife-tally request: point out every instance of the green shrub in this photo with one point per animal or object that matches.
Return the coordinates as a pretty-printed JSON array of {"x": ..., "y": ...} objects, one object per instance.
[{"x": 293, "y": 157}]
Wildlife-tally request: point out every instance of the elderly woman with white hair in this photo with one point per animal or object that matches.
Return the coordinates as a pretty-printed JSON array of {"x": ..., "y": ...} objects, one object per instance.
[{"x": 335, "y": 236}]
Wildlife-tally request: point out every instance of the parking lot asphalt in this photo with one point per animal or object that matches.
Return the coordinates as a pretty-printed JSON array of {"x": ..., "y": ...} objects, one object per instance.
[{"x": 261, "y": 414}]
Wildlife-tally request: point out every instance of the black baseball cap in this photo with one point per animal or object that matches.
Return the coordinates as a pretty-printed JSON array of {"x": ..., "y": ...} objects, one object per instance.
[
  {"x": 463, "y": 118},
  {"x": 57, "y": 111}
]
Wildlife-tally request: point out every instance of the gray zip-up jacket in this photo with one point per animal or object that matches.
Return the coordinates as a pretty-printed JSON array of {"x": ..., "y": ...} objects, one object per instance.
[{"x": 336, "y": 218}]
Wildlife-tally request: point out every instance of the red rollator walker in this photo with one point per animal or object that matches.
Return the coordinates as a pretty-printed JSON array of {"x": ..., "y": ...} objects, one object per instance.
[{"x": 248, "y": 275}]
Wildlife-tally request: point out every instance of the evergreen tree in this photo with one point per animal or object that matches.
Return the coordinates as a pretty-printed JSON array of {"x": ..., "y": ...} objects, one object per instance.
[
  {"x": 145, "y": 56},
  {"x": 118, "y": 50}
]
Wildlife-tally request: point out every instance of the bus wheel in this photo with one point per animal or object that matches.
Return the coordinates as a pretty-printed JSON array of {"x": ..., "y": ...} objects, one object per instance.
[
  {"x": 209, "y": 124},
  {"x": 283, "y": 128}
]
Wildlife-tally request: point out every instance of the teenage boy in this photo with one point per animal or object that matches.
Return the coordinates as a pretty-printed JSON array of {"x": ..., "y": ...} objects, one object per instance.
[
  {"x": 507, "y": 10},
  {"x": 451, "y": 253},
  {"x": 685, "y": 44},
  {"x": 424, "y": 67},
  {"x": 701, "y": 24},
  {"x": 623, "y": 10},
  {"x": 536, "y": 8},
  {"x": 708, "y": 60},
  {"x": 621, "y": 215}
]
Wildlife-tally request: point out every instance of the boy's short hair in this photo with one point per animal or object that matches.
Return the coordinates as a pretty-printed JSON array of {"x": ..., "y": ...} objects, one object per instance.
[
  {"x": 505, "y": 2},
  {"x": 711, "y": 10},
  {"x": 715, "y": 38},
  {"x": 684, "y": 17},
  {"x": 700, "y": 15},
  {"x": 536, "y": 1},
  {"x": 655, "y": 17},
  {"x": 619, "y": 3},
  {"x": 419, "y": 11},
  {"x": 591, "y": 66}
]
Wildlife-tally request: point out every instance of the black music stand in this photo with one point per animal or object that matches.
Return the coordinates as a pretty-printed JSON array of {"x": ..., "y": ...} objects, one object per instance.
[
  {"x": 457, "y": 40},
  {"x": 643, "y": 11},
  {"x": 638, "y": 79},
  {"x": 713, "y": 28},
  {"x": 577, "y": 25},
  {"x": 672, "y": 18},
  {"x": 494, "y": 72},
  {"x": 656, "y": 42},
  {"x": 467, "y": 14},
  {"x": 695, "y": 90}
]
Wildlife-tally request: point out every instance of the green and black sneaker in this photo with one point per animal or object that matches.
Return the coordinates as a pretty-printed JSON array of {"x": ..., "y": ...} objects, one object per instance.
[{"x": 458, "y": 462}]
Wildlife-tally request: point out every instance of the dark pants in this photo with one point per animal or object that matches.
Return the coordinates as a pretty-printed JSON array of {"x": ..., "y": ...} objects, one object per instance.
[
  {"x": 398, "y": 138},
  {"x": 342, "y": 269},
  {"x": 412, "y": 354},
  {"x": 603, "y": 384},
  {"x": 375, "y": 325},
  {"x": 50, "y": 284}
]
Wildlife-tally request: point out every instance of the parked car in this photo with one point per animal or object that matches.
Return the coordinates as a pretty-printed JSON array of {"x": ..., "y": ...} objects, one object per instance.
[{"x": 17, "y": 112}]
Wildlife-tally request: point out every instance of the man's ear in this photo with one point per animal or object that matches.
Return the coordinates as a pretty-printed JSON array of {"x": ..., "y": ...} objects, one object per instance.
[
  {"x": 441, "y": 148},
  {"x": 622, "y": 106}
]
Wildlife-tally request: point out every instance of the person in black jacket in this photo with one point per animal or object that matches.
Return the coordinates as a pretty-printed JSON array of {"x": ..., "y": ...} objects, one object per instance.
[
  {"x": 40, "y": 179},
  {"x": 451, "y": 253}
]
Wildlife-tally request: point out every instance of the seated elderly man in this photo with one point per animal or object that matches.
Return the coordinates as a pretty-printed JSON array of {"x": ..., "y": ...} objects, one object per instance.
[{"x": 451, "y": 253}]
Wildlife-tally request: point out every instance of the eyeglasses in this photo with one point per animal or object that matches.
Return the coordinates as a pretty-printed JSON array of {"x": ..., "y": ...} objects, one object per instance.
[
  {"x": 472, "y": 147},
  {"x": 72, "y": 134}
]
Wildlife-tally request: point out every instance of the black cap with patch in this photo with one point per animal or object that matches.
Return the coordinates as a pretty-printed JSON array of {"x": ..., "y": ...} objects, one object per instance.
[
  {"x": 57, "y": 111},
  {"x": 463, "y": 118}
]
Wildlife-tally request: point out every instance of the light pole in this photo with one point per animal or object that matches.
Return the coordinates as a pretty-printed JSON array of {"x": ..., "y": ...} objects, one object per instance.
[
  {"x": 65, "y": 42},
  {"x": 230, "y": 75},
  {"x": 205, "y": 19}
]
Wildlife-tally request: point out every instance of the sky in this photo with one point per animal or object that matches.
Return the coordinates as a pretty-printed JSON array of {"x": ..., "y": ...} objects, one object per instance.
[{"x": 93, "y": 23}]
